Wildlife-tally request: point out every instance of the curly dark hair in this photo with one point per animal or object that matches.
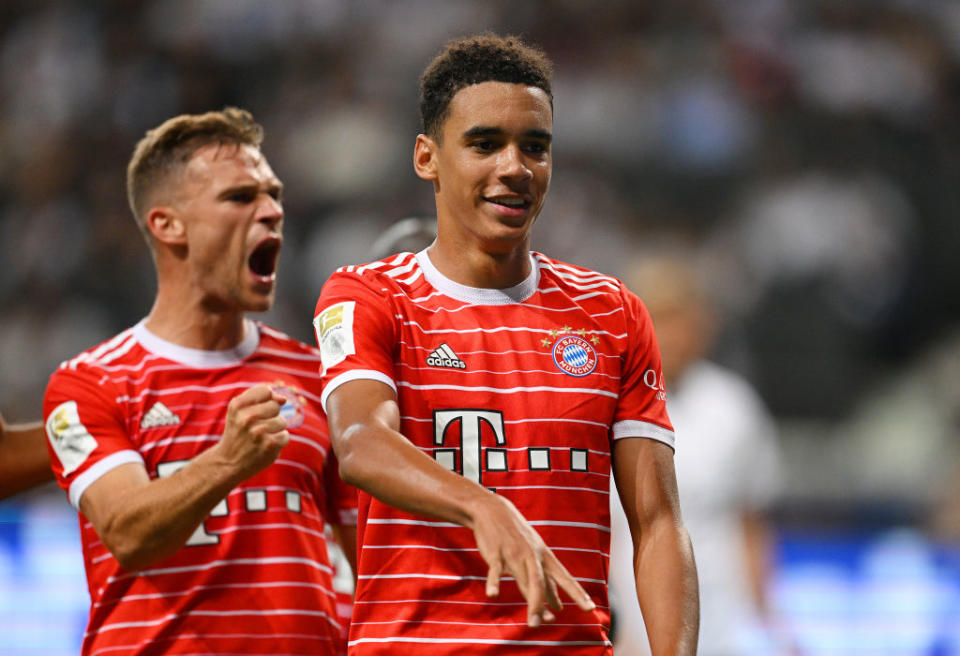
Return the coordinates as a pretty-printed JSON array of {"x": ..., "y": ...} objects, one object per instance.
[
  {"x": 472, "y": 60},
  {"x": 166, "y": 149}
]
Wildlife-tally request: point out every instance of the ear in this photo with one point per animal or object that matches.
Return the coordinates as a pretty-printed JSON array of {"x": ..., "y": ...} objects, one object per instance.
[
  {"x": 166, "y": 226},
  {"x": 425, "y": 157}
]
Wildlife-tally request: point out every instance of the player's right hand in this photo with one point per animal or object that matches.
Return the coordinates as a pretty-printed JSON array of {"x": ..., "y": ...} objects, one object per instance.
[
  {"x": 509, "y": 544},
  {"x": 254, "y": 432}
]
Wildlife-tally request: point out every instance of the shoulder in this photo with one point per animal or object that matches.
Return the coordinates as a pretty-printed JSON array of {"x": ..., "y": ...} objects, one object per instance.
[
  {"x": 577, "y": 277},
  {"x": 90, "y": 374},
  {"x": 118, "y": 351},
  {"x": 600, "y": 294},
  {"x": 273, "y": 340},
  {"x": 398, "y": 269}
]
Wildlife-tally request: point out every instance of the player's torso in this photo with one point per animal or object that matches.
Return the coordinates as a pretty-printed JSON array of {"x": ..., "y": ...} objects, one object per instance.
[
  {"x": 257, "y": 566},
  {"x": 174, "y": 414},
  {"x": 508, "y": 393},
  {"x": 520, "y": 398}
]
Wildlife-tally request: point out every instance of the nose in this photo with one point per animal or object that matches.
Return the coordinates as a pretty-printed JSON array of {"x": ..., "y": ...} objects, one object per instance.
[
  {"x": 270, "y": 212},
  {"x": 512, "y": 164}
]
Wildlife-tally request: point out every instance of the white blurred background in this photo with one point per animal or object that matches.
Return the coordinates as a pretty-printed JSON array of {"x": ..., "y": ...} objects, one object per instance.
[{"x": 806, "y": 152}]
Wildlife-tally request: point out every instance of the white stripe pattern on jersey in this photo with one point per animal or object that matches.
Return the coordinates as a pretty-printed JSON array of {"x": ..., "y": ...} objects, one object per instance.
[
  {"x": 570, "y": 272},
  {"x": 96, "y": 353},
  {"x": 510, "y": 390},
  {"x": 215, "y": 613},
  {"x": 185, "y": 388},
  {"x": 510, "y": 329},
  {"x": 219, "y": 586},
  {"x": 279, "y": 560},
  {"x": 485, "y": 641},
  {"x": 226, "y": 636},
  {"x": 543, "y": 420}
]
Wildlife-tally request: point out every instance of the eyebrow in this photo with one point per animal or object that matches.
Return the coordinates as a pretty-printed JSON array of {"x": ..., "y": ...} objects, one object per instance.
[
  {"x": 276, "y": 187},
  {"x": 485, "y": 131}
]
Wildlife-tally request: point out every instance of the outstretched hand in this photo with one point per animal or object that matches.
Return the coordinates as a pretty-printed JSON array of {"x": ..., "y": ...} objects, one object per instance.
[{"x": 509, "y": 544}]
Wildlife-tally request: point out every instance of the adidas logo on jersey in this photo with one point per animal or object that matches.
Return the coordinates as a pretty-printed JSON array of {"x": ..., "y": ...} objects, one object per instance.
[
  {"x": 159, "y": 415},
  {"x": 443, "y": 356}
]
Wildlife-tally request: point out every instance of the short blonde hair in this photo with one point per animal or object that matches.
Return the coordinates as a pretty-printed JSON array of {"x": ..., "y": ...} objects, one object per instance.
[{"x": 165, "y": 150}]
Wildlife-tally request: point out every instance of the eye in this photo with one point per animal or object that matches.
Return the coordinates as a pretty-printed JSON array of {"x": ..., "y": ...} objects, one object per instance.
[
  {"x": 535, "y": 148},
  {"x": 241, "y": 196},
  {"x": 484, "y": 146}
]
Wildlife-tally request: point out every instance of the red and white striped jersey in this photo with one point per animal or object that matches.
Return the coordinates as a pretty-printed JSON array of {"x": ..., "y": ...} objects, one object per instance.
[
  {"x": 522, "y": 390},
  {"x": 255, "y": 577}
]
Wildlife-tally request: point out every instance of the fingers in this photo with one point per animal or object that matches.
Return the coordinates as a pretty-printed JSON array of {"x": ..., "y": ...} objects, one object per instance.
[
  {"x": 253, "y": 395},
  {"x": 493, "y": 578},
  {"x": 254, "y": 431},
  {"x": 553, "y": 597},
  {"x": 556, "y": 572},
  {"x": 533, "y": 587}
]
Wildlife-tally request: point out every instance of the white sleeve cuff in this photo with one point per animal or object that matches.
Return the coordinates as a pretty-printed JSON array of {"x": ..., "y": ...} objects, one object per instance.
[
  {"x": 87, "y": 478},
  {"x": 633, "y": 428},
  {"x": 354, "y": 374}
]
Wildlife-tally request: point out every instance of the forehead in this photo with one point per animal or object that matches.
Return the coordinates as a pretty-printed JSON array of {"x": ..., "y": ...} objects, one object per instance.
[
  {"x": 228, "y": 162},
  {"x": 500, "y": 105}
]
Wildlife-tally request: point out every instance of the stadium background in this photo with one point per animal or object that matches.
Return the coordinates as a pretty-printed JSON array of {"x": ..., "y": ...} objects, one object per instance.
[{"x": 806, "y": 151}]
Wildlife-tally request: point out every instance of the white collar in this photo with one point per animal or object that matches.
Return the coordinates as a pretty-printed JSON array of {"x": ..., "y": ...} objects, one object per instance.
[
  {"x": 200, "y": 358},
  {"x": 480, "y": 295}
]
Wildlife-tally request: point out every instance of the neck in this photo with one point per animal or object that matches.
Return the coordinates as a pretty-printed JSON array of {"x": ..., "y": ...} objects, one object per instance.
[
  {"x": 183, "y": 320},
  {"x": 480, "y": 268}
]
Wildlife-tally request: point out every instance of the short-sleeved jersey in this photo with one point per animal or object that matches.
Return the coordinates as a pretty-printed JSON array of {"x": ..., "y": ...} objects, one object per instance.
[
  {"x": 522, "y": 390},
  {"x": 255, "y": 577}
]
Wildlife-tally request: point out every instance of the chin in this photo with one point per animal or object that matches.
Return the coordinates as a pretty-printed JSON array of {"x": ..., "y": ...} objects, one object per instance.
[{"x": 259, "y": 304}]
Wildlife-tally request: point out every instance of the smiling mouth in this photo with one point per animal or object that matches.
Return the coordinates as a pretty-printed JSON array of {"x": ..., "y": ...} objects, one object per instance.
[
  {"x": 513, "y": 203},
  {"x": 263, "y": 260}
]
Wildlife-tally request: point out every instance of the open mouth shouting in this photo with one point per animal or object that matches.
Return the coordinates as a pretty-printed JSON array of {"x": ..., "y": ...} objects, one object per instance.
[{"x": 263, "y": 260}]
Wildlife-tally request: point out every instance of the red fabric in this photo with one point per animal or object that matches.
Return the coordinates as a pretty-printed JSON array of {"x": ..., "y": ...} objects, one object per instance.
[
  {"x": 264, "y": 585},
  {"x": 421, "y": 582}
]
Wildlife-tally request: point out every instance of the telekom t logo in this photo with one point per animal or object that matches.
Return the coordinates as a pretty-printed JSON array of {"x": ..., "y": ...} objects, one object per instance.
[{"x": 471, "y": 450}]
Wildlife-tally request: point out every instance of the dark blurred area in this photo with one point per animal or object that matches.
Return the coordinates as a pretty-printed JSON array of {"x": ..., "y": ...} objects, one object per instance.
[{"x": 806, "y": 153}]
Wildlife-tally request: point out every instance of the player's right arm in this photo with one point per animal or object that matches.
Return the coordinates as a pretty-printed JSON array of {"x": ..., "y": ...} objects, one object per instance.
[
  {"x": 356, "y": 330},
  {"x": 364, "y": 421},
  {"x": 24, "y": 462},
  {"x": 142, "y": 520}
]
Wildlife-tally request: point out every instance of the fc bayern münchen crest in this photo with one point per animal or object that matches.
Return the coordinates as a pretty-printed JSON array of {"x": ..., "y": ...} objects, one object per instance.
[
  {"x": 292, "y": 409},
  {"x": 574, "y": 355}
]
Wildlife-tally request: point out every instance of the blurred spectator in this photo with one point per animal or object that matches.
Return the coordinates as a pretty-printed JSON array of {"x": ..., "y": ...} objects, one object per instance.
[
  {"x": 411, "y": 234},
  {"x": 728, "y": 472}
]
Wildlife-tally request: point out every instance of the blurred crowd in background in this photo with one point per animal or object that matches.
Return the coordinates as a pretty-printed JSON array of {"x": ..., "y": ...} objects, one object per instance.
[{"x": 806, "y": 154}]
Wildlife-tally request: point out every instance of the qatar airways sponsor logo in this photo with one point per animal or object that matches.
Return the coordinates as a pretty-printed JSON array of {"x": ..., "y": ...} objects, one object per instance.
[{"x": 654, "y": 380}]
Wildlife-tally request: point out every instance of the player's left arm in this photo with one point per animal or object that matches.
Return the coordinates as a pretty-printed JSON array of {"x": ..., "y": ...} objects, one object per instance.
[
  {"x": 24, "y": 461},
  {"x": 664, "y": 568}
]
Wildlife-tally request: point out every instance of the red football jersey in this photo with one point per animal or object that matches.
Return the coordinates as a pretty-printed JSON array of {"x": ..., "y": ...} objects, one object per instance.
[
  {"x": 255, "y": 577},
  {"x": 522, "y": 390}
]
